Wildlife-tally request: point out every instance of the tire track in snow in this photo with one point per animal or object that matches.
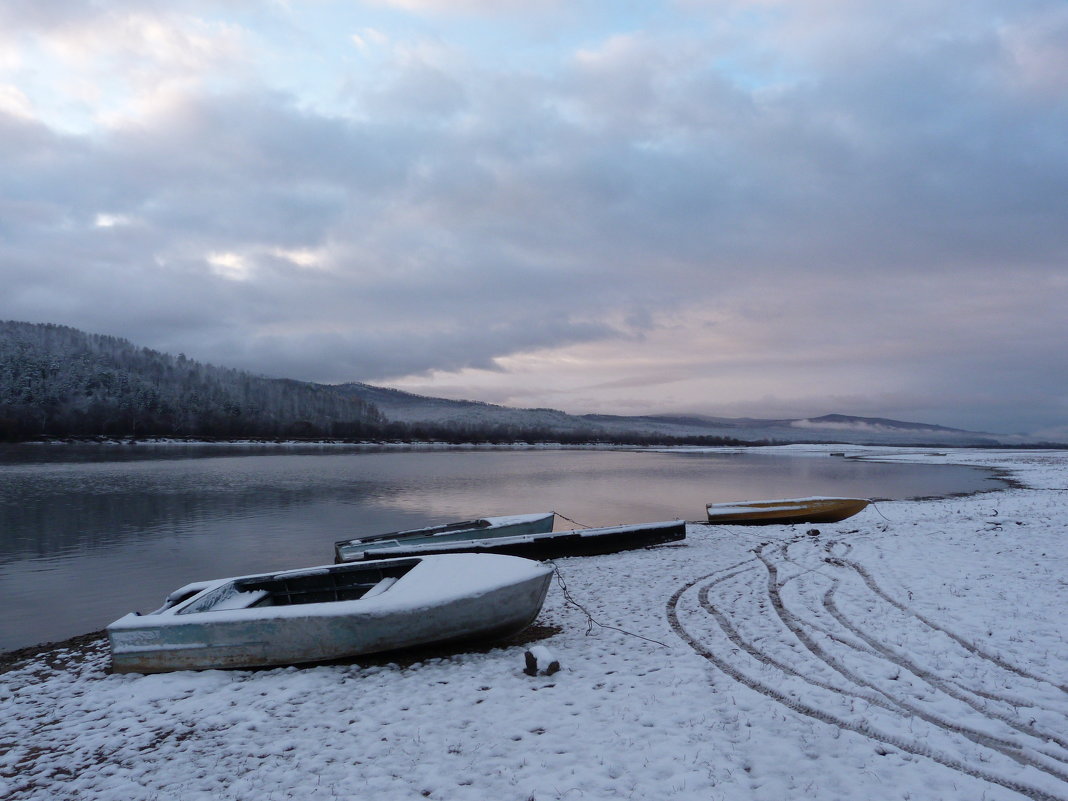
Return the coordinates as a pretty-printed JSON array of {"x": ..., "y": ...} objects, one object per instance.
[
  {"x": 815, "y": 622},
  {"x": 968, "y": 646},
  {"x": 837, "y": 559},
  {"x": 1009, "y": 748},
  {"x": 1024, "y": 754},
  {"x": 764, "y": 657},
  {"x": 714, "y": 580},
  {"x": 951, "y": 689}
]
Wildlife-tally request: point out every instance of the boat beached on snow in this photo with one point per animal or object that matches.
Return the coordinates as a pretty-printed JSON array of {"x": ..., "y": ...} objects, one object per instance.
[
  {"x": 483, "y": 527},
  {"x": 785, "y": 511},
  {"x": 331, "y": 612},
  {"x": 543, "y": 544}
]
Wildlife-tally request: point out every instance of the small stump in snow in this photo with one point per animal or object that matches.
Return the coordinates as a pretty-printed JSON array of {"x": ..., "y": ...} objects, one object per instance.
[{"x": 540, "y": 659}]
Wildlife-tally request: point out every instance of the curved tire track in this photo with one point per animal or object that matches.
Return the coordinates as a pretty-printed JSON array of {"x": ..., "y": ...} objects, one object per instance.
[
  {"x": 765, "y": 658},
  {"x": 785, "y": 625},
  {"x": 968, "y": 646},
  {"x": 1009, "y": 748},
  {"x": 949, "y": 688}
]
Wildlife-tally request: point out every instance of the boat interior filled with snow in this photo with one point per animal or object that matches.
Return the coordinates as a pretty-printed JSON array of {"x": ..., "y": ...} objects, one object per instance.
[{"x": 340, "y": 583}]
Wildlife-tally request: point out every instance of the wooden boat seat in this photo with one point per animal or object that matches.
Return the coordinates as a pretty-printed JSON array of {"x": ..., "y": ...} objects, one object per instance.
[{"x": 242, "y": 600}]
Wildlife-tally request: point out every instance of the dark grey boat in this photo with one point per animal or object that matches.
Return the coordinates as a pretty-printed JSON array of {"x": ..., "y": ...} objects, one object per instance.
[
  {"x": 544, "y": 545},
  {"x": 370, "y": 545}
]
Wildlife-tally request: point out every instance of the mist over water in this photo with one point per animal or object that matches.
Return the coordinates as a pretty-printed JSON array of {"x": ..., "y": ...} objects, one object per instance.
[{"x": 90, "y": 533}]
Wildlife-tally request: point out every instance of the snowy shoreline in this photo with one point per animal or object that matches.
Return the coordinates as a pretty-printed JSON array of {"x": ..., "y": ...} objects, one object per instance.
[{"x": 916, "y": 651}]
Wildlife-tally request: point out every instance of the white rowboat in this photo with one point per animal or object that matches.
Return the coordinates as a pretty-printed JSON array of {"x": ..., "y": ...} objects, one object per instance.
[{"x": 331, "y": 612}]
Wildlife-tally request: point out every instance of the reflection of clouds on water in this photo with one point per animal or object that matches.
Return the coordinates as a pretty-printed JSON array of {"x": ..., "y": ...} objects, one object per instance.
[
  {"x": 118, "y": 534},
  {"x": 606, "y": 488}
]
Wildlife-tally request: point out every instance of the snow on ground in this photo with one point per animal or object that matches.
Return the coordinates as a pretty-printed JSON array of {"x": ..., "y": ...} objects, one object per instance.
[{"x": 916, "y": 651}]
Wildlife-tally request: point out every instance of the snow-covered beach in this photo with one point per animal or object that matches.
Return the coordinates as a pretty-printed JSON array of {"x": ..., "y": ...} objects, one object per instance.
[{"x": 917, "y": 651}]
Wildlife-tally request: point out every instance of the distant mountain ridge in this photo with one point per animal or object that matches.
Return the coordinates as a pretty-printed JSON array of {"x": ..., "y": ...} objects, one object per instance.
[
  {"x": 407, "y": 407},
  {"x": 56, "y": 381}
]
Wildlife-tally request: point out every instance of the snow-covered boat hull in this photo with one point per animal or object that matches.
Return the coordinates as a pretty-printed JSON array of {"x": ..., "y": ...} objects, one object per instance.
[
  {"x": 482, "y": 528},
  {"x": 545, "y": 545},
  {"x": 331, "y": 612},
  {"x": 785, "y": 511}
]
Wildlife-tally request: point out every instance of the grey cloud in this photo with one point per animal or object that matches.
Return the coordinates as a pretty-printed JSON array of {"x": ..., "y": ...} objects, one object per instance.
[
  {"x": 465, "y": 216},
  {"x": 419, "y": 93},
  {"x": 367, "y": 353},
  {"x": 30, "y": 15},
  {"x": 36, "y": 16}
]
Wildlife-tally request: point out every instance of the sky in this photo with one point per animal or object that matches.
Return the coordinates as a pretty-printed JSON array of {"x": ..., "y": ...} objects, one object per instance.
[{"x": 767, "y": 208}]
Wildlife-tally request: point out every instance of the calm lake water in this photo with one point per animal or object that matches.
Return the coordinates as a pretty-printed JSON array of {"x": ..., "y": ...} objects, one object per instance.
[{"x": 88, "y": 533}]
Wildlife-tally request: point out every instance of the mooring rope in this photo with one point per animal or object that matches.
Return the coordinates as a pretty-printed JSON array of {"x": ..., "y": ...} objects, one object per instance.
[
  {"x": 569, "y": 520},
  {"x": 880, "y": 511},
  {"x": 590, "y": 620}
]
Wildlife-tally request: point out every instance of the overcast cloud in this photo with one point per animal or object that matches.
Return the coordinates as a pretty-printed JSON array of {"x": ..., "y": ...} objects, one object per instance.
[{"x": 729, "y": 207}]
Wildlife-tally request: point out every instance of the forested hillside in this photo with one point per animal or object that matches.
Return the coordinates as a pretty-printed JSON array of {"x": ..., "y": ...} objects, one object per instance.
[{"x": 58, "y": 381}]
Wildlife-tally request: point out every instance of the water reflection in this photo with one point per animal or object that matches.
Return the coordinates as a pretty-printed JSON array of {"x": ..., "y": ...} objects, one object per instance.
[{"x": 84, "y": 540}]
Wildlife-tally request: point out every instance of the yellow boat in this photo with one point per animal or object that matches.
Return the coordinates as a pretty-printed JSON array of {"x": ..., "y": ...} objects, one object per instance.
[{"x": 785, "y": 511}]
